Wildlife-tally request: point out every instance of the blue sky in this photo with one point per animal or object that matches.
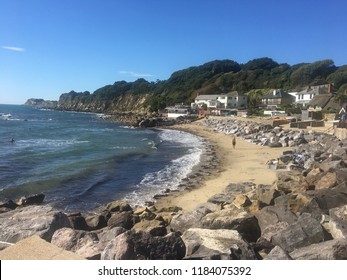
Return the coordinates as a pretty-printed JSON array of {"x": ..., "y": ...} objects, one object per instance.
[{"x": 51, "y": 47}]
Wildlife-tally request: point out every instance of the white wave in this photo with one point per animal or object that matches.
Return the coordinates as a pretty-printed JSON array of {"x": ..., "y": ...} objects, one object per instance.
[
  {"x": 49, "y": 142},
  {"x": 170, "y": 177}
]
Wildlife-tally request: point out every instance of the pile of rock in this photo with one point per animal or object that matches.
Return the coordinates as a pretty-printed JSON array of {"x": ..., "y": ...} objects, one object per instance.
[{"x": 302, "y": 215}]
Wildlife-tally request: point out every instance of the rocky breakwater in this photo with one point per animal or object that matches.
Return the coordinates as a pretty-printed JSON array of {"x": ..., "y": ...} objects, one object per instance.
[{"x": 302, "y": 215}]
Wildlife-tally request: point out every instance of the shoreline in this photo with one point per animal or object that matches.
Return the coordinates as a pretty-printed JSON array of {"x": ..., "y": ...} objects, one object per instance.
[{"x": 245, "y": 163}]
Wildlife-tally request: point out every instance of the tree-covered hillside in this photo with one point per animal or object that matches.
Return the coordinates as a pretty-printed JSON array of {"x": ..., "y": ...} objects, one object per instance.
[{"x": 219, "y": 76}]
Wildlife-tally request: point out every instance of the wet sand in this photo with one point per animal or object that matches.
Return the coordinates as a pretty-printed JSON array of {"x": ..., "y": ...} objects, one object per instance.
[{"x": 245, "y": 163}]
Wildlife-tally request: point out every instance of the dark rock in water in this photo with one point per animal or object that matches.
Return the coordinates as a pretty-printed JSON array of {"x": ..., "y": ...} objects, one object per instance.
[
  {"x": 32, "y": 200},
  {"x": 8, "y": 206},
  {"x": 23, "y": 222},
  {"x": 143, "y": 246},
  {"x": 329, "y": 250}
]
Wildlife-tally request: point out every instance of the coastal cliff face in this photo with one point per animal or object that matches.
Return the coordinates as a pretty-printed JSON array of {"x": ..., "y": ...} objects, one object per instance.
[
  {"x": 89, "y": 103},
  {"x": 41, "y": 103}
]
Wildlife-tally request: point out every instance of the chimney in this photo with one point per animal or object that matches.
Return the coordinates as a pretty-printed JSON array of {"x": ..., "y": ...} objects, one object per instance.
[{"x": 330, "y": 88}]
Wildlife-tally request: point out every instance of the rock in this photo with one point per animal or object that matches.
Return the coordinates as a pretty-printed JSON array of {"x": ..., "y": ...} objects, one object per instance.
[
  {"x": 328, "y": 180},
  {"x": 23, "y": 222},
  {"x": 278, "y": 253},
  {"x": 118, "y": 206},
  {"x": 89, "y": 245},
  {"x": 272, "y": 230},
  {"x": 232, "y": 218},
  {"x": 32, "y": 200},
  {"x": 338, "y": 222},
  {"x": 209, "y": 244},
  {"x": 98, "y": 221},
  {"x": 10, "y": 205},
  {"x": 298, "y": 202},
  {"x": 123, "y": 219},
  {"x": 266, "y": 194},
  {"x": 272, "y": 215},
  {"x": 304, "y": 232},
  {"x": 221, "y": 198},
  {"x": 241, "y": 201},
  {"x": 77, "y": 221},
  {"x": 154, "y": 227},
  {"x": 329, "y": 165},
  {"x": 329, "y": 250},
  {"x": 184, "y": 221},
  {"x": 143, "y": 246}
]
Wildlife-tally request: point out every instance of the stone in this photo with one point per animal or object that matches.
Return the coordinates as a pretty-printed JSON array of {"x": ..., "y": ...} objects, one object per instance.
[
  {"x": 207, "y": 244},
  {"x": 123, "y": 219},
  {"x": 241, "y": 201},
  {"x": 78, "y": 221},
  {"x": 304, "y": 232},
  {"x": 41, "y": 220},
  {"x": 143, "y": 246},
  {"x": 232, "y": 218},
  {"x": 98, "y": 221},
  {"x": 272, "y": 215},
  {"x": 35, "y": 199},
  {"x": 328, "y": 180},
  {"x": 266, "y": 194},
  {"x": 277, "y": 253},
  {"x": 118, "y": 206},
  {"x": 184, "y": 221},
  {"x": 154, "y": 227},
  {"x": 10, "y": 205},
  {"x": 338, "y": 222},
  {"x": 335, "y": 249}
]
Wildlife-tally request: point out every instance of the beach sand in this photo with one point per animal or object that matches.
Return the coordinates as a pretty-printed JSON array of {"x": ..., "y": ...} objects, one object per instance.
[{"x": 245, "y": 163}]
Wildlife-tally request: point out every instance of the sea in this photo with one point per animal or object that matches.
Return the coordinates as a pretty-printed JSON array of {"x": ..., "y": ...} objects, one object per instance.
[{"x": 81, "y": 161}]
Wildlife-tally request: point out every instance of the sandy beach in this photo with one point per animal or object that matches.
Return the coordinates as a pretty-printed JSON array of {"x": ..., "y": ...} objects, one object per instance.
[{"x": 245, "y": 163}]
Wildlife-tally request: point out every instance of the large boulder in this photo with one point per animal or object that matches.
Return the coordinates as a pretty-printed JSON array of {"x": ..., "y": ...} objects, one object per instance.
[
  {"x": 266, "y": 194},
  {"x": 304, "y": 232},
  {"x": 88, "y": 245},
  {"x": 272, "y": 215},
  {"x": 133, "y": 245},
  {"x": 338, "y": 222},
  {"x": 335, "y": 249},
  {"x": 233, "y": 218},
  {"x": 210, "y": 244},
  {"x": 184, "y": 221},
  {"x": 41, "y": 220},
  {"x": 123, "y": 219}
]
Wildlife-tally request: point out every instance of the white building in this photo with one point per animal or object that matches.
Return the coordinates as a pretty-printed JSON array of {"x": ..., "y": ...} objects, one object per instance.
[
  {"x": 231, "y": 100},
  {"x": 306, "y": 95},
  {"x": 178, "y": 111}
]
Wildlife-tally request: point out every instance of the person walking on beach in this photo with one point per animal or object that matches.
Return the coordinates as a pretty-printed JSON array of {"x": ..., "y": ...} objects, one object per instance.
[{"x": 234, "y": 141}]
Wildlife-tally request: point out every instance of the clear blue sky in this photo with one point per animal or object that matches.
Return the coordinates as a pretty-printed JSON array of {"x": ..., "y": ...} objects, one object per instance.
[{"x": 51, "y": 47}]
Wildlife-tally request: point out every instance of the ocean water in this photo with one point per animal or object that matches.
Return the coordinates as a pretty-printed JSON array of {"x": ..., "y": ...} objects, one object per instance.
[{"x": 80, "y": 161}]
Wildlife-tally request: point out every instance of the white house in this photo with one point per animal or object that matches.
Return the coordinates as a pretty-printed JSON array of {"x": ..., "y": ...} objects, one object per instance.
[
  {"x": 178, "y": 111},
  {"x": 231, "y": 100},
  {"x": 306, "y": 95}
]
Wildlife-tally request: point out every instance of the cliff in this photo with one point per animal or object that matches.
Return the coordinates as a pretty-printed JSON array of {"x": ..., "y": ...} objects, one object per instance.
[{"x": 41, "y": 103}]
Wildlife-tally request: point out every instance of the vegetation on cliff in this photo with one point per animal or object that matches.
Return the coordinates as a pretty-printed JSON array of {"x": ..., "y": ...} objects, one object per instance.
[{"x": 219, "y": 76}]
